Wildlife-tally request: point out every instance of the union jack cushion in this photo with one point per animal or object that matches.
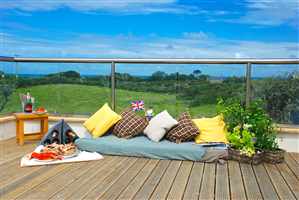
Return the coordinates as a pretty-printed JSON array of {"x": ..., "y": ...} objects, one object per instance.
[
  {"x": 185, "y": 130},
  {"x": 130, "y": 125}
]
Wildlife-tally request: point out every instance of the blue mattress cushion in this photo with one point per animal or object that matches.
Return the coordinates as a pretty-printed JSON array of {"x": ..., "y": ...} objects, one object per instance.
[{"x": 141, "y": 146}]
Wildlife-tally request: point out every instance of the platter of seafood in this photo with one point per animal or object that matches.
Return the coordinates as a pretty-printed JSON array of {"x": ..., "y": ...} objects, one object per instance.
[{"x": 55, "y": 151}]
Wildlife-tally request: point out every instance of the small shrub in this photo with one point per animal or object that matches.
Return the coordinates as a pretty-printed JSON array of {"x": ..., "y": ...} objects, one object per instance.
[
  {"x": 243, "y": 140},
  {"x": 250, "y": 125}
]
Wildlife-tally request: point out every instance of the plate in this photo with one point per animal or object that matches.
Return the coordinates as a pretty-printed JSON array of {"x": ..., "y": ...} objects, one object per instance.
[
  {"x": 76, "y": 153},
  {"x": 44, "y": 161},
  {"x": 40, "y": 113}
]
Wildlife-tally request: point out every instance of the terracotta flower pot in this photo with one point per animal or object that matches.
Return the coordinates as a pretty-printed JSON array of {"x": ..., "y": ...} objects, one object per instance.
[
  {"x": 235, "y": 154},
  {"x": 273, "y": 157}
]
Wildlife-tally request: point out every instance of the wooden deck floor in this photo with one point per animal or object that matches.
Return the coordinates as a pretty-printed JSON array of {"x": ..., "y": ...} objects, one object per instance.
[{"x": 137, "y": 178}]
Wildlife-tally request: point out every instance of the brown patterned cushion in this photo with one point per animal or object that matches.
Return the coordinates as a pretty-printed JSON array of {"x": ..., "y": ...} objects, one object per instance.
[
  {"x": 185, "y": 130},
  {"x": 130, "y": 125}
]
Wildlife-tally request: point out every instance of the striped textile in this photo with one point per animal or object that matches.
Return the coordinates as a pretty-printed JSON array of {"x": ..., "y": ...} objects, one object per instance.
[
  {"x": 184, "y": 131},
  {"x": 130, "y": 125}
]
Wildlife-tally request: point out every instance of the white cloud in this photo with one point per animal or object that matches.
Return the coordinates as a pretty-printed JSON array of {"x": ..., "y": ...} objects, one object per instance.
[
  {"x": 259, "y": 12},
  {"x": 195, "y": 35},
  {"x": 271, "y": 12},
  {"x": 121, "y": 46},
  {"x": 89, "y": 6}
]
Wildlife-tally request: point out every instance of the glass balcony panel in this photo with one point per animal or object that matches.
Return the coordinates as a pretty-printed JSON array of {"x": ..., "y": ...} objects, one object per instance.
[
  {"x": 278, "y": 87},
  {"x": 8, "y": 84},
  {"x": 179, "y": 88},
  {"x": 200, "y": 87},
  {"x": 62, "y": 88},
  {"x": 146, "y": 82}
]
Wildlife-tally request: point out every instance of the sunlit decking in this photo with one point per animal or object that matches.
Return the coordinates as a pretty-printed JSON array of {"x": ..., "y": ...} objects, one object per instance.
[{"x": 117, "y": 177}]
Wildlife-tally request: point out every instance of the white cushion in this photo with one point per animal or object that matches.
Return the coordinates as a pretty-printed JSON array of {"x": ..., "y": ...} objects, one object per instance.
[{"x": 159, "y": 125}]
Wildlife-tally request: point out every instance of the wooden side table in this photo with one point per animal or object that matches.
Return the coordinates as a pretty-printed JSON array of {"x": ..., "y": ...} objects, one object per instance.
[{"x": 21, "y": 118}]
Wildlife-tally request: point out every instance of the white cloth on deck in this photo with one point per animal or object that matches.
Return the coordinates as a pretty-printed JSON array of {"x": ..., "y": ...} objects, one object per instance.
[{"x": 82, "y": 156}]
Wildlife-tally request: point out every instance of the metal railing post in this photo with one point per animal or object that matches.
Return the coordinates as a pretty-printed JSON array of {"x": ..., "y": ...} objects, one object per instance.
[
  {"x": 248, "y": 84},
  {"x": 113, "y": 86}
]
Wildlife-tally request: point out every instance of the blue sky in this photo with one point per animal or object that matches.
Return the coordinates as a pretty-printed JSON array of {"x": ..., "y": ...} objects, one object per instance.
[{"x": 150, "y": 29}]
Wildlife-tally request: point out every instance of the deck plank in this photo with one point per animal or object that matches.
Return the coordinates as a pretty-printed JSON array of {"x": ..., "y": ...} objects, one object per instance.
[
  {"x": 250, "y": 182},
  {"x": 167, "y": 180},
  {"x": 178, "y": 188},
  {"x": 289, "y": 177},
  {"x": 236, "y": 181},
  {"x": 7, "y": 157},
  {"x": 100, "y": 176},
  {"x": 194, "y": 183},
  {"x": 222, "y": 182},
  {"x": 10, "y": 152},
  {"x": 114, "y": 191},
  {"x": 264, "y": 182},
  {"x": 139, "y": 180},
  {"x": 278, "y": 182},
  {"x": 101, "y": 186},
  {"x": 10, "y": 168},
  {"x": 29, "y": 182},
  {"x": 293, "y": 165},
  {"x": 47, "y": 188},
  {"x": 82, "y": 183},
  {"x": 10, "y": 146},
  {"x": 14, "y": 156},
  {"x": 15, "y": 172},
  {"x": 208, "y": 182},
  {"x": 127, "y": 177},
  {"x": 295, "y": 156},
  {"x": 152, "y": 181}
]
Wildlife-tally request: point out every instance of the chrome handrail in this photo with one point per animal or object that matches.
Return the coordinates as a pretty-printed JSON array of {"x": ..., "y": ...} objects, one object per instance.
[
  {"x": 156, "y": 60},
  {"x": 113, "y": 61}
]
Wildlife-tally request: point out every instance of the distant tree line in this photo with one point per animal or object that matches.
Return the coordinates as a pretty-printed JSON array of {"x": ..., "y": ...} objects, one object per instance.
[{"x": 194, "y": 88}]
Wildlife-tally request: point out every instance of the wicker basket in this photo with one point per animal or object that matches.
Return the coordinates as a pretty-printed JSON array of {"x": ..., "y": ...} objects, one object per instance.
[
  {"x": 274, "y": 157},
  {"x": 235, "y": 154}
]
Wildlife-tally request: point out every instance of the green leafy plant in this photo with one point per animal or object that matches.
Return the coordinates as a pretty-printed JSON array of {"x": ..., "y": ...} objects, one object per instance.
[
  {"x": 233, "y": 112},
  {"x": 252, "y": 119},
  {"x": 243, "y": 140},
  {"x": 262, "y": 126}
]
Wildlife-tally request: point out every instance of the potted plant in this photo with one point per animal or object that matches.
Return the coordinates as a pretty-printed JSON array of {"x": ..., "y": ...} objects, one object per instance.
[
  {"x": 272, "y": 154},
  {"x": 251, "y": 131},
  {"x": 242, "y": 140},
  {"x": 265, "y": 132},
  {"x": 242, "y": 146}
]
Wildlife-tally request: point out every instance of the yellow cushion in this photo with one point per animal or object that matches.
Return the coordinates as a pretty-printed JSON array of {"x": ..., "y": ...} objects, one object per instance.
[
  {"x": 211, "y": 130},
  {"x": 100, "y": 122}
]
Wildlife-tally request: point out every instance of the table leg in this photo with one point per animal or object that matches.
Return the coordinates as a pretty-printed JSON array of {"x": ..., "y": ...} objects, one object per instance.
[
  {"x": 17, "y": 131},
  {"x": 21, "y": 132},
  {"x": 44, "y": 127}
]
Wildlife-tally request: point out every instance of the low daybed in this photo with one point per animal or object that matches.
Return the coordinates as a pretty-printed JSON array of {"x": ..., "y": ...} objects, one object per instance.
[
  {"x": 141, "y": 146},
  {"x": 160, "y": 137}
]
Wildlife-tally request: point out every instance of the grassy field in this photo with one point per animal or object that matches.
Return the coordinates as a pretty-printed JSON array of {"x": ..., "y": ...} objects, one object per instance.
[{"x": 83, "y": 99}]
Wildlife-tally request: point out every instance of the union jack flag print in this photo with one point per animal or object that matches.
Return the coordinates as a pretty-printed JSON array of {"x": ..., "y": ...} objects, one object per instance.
[{"x": 137, "y": 105}]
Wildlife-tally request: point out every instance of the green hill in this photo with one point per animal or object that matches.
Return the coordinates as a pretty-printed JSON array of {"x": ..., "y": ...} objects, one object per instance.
[{"x": 83, "y": 99}]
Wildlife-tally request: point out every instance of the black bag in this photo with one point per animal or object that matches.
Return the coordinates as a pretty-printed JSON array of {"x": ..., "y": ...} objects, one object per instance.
[{"x": 60, "y": 133}]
